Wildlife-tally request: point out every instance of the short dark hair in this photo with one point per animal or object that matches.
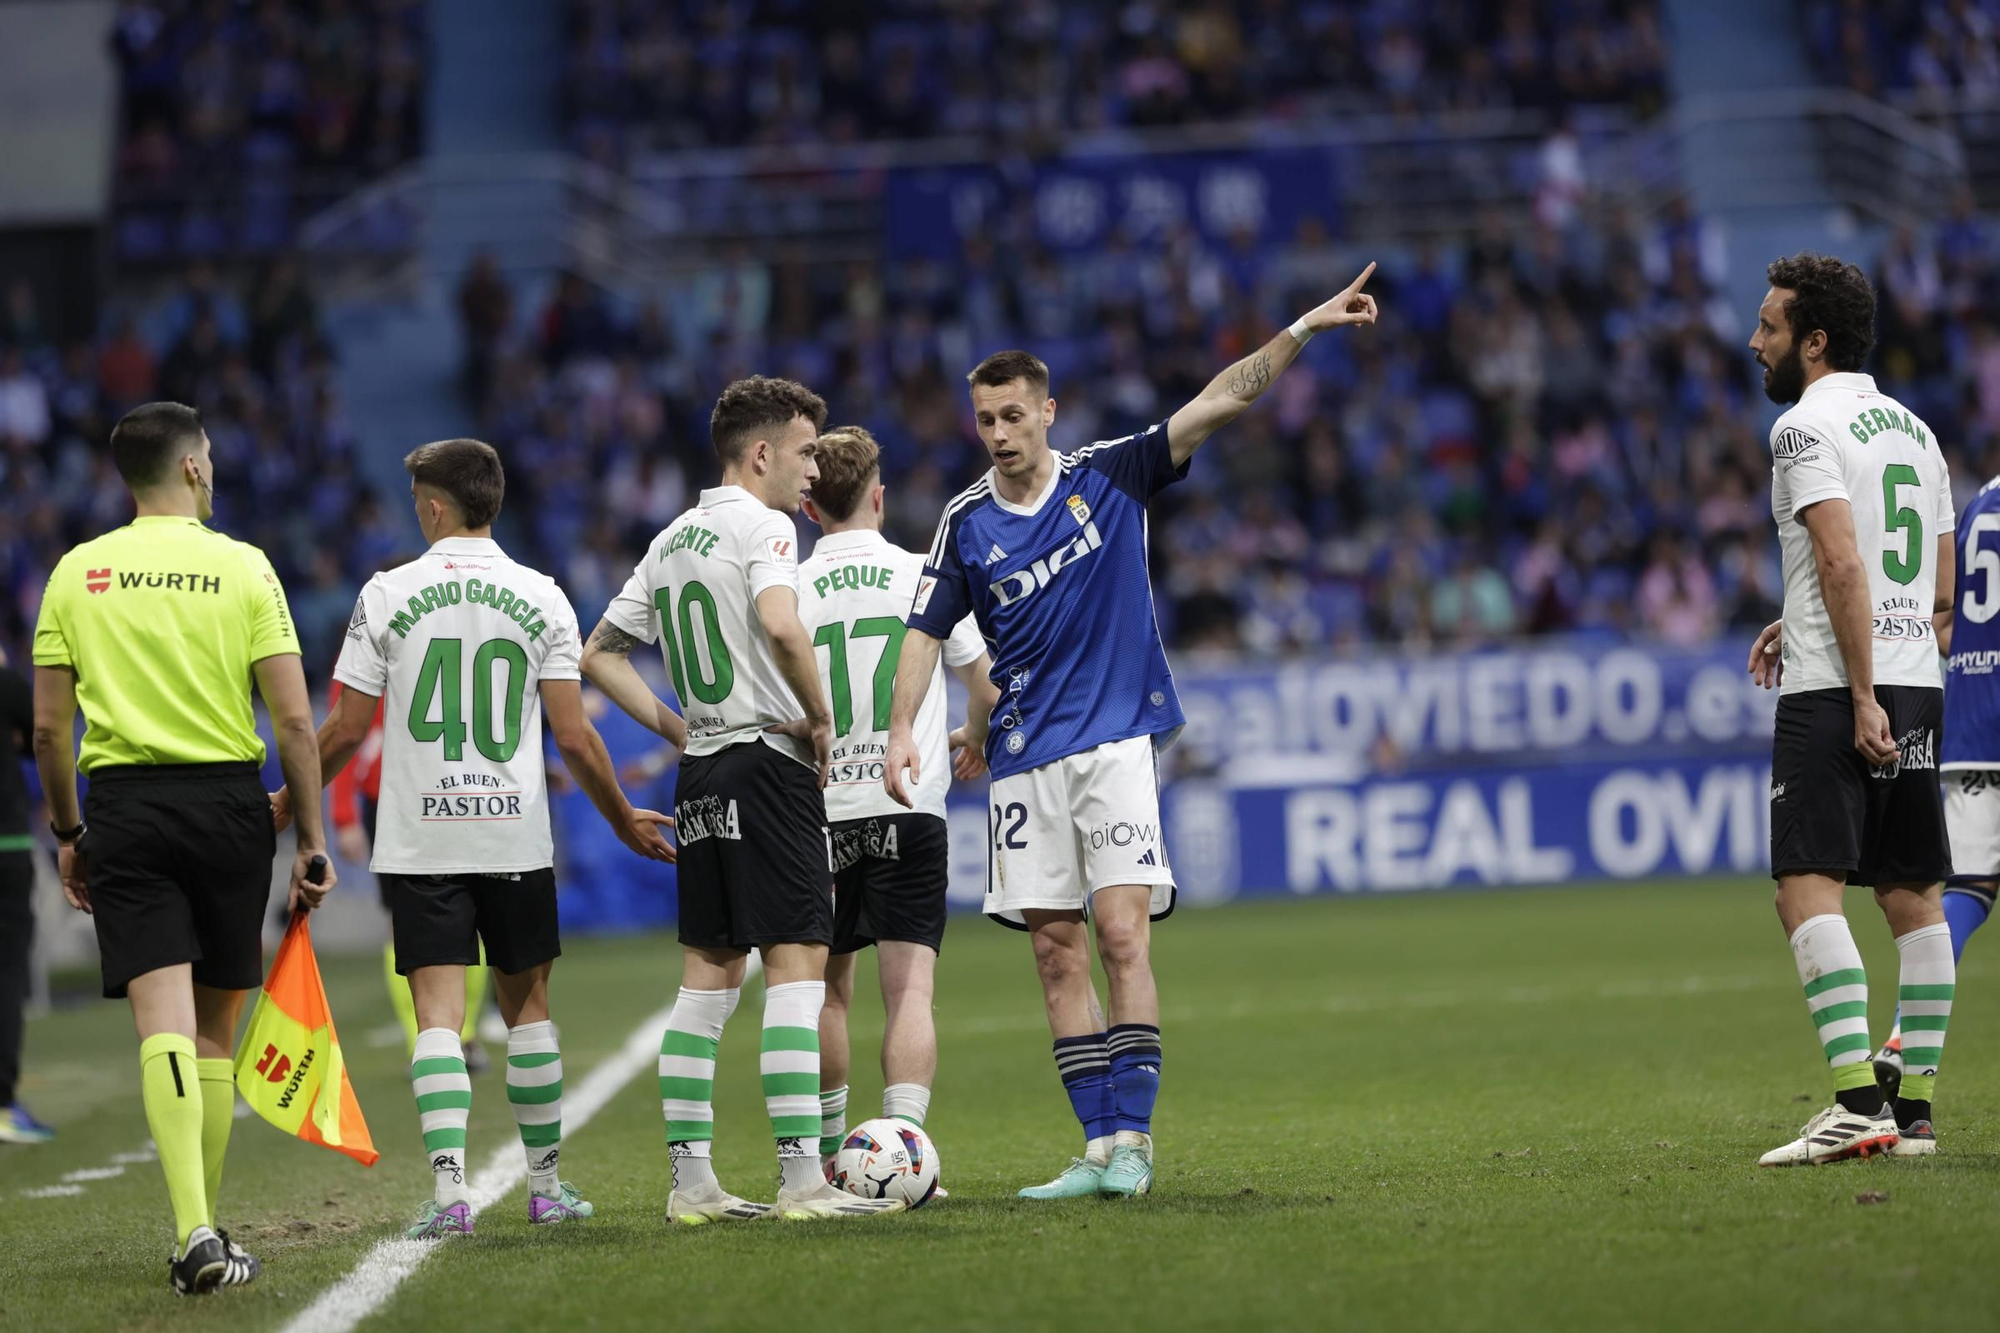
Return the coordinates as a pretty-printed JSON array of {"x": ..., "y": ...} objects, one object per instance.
[
  {"x": 150, "y": 437},
  {"x": 848, "y": 460},
  {"x": 752, "y": 406},
  {"x": 1006, "y": 367},
  {"x": 1828, "y": 294},
  {"x": 467, "y": 471}
]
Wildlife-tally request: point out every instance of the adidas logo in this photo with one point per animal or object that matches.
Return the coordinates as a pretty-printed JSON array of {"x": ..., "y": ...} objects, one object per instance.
[
  {"x": 996, "y": 555},
  {"x": 1148, "y": 859}
]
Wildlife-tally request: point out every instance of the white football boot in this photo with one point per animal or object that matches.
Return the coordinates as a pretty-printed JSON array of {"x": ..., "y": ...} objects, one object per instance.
[{"x": 1834, "y": 1135}]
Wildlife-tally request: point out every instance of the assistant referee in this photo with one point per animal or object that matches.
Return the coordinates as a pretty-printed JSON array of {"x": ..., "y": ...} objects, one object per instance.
[{"x": 157, "y": 630}]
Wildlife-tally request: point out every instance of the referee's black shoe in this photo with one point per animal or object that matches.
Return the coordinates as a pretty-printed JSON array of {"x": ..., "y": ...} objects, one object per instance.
[
  {"x": 201, "y": 1266},
  {"x": 243, "y": 1265}
]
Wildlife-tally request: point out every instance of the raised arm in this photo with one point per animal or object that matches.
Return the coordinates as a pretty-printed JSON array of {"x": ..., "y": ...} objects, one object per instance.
[
  {"x": 1843, "y": 583},
  {"x": 914, "y": 669},
  {"x": 792, "y": 647},
  {"x": 589, "y": 763},
  {"x": 1229, "y": 394},
  {"x": 607, "y": 664}
]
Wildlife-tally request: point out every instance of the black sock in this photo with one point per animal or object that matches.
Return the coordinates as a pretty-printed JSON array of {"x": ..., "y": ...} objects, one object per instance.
[
  {"x": 1865, "y": 1100},
  {"x": 1909, "y": 1111}
]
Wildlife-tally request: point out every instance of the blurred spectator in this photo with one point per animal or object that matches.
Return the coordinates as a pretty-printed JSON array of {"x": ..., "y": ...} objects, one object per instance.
[{"x": 485, "y": 309}]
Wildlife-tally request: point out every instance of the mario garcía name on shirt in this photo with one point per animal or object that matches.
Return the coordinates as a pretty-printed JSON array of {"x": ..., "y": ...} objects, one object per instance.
[{"x": 471, "y": 796}]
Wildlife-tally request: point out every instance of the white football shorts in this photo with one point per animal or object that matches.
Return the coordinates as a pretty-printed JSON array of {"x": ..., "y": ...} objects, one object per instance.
[
  {"x": 1061, "y": 832},
  {"x": 1972, "y": 822}
]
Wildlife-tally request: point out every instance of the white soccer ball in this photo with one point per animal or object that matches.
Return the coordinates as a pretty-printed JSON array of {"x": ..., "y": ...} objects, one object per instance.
[{"x": 887, "y": 1159}]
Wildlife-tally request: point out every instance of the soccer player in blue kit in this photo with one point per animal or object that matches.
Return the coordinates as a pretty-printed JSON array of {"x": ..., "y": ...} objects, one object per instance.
[{"x": 1048, "y": 554}]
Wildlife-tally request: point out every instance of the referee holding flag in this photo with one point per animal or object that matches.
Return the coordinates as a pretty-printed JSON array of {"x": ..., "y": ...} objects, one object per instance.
[{"x": 157, "y": 630}]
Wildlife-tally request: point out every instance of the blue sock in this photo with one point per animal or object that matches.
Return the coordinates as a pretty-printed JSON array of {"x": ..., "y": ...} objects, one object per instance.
[
  {"x": 1964, "y": 913},
  {"x": 1135, "y": 1073},
  {"x": 1085, "y": 1066}
]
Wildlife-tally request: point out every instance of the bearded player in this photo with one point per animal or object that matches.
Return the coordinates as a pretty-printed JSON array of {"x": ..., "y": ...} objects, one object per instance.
[{"x": 1048, "y": 553}]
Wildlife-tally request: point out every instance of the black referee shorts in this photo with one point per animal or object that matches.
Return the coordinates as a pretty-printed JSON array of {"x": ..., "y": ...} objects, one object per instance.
[
  {"x": 178, "y": 861},
  {"x": 890, "y": 875},
  {"x": 754, "y": 851},
  {"x": 1832, "y": 813}
]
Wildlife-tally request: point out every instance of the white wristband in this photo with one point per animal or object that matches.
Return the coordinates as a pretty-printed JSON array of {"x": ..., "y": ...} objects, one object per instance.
[{"x": 1301, "y": 332}]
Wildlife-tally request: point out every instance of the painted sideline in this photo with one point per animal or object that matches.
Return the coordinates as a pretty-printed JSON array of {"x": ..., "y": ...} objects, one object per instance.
[{"x": 370, "y": 1284}]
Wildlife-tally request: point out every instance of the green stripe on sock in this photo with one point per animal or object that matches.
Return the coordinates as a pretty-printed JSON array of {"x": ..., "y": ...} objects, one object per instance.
[
  {"x": 1922, "y": 1055},
  {"x": 444, "y": 1101},
  {"x": 908, "y": 1119},
  {"x": 1833, "y": 1013},
  {"x": 1860, "y": 1074},
  {"x": 1927, "y": 992},
  {"x": 532, "y": 1096},
  {"x": 535, "y": 1060},
  {"x": 542, "y": 1136},
  {"x": 1847, "y": 976},
  {"x": 795, "y": 1126},
  {"x": 1925, "y": 1022},
  {"x": 1853, "y": 1041},
  {"x": 793, "y": 1039},
  {"x": 793, "y": 1085},
  {"x": 686, "y": 1089},
  {"x": 689, "y": 1131},
  {"x": 444, "y": 1138},
  {"x": 688, "y": 1043},
  {"x": 437, "y": 1064}
]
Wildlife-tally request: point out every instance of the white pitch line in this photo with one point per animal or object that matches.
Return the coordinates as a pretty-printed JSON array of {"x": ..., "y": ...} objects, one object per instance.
[
  {"x": 371, "y": 1283},
  {"x": 93, "y": 1173},
  {"x": 52, "y": 1192}
]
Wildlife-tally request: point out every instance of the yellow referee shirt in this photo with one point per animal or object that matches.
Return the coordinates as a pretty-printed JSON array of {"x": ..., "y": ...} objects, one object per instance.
[{"x": 161, "y": 620}]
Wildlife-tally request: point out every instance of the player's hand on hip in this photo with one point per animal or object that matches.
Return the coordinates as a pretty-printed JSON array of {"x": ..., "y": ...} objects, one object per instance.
[
  {"x": 641, "y": 832},
  {"x": 281, "y": 809},
  {"x": 1352, "y": 306},
  {"x": 1767, "y": 655},
  {"x": 1872, "y": 735},
  {"x": 71, "y": 867},
  {"x": 822, "y": 742},
  {"x": 306, "y": 895},
  {"x": 902, "y": 755},
  {"x": 968, "y": 759}
]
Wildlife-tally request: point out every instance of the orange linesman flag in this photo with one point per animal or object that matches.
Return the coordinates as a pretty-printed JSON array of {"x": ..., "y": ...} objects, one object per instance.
[{"x": 289, "y": 1067}]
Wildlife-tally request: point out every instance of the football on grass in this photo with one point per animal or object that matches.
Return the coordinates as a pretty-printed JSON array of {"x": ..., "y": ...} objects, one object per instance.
[{"x": 887, "y": 1159}]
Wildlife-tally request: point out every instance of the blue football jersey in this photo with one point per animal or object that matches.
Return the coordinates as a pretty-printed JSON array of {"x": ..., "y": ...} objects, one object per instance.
[
  {"x": 1061, "y": 592},
  {"x": 1972, "y": 672}
]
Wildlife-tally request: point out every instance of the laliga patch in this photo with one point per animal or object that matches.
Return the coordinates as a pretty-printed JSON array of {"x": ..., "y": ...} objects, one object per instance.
[
  {"x": 925, "y": 586},
  {"x": 781, "y": 550},
  {"x": 1078, "y": 510}
]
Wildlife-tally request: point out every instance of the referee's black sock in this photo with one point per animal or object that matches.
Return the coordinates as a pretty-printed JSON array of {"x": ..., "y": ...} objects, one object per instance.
[
  {"x": 1866, "y": 1100},
  {"x": 1910, "y": 1111}
]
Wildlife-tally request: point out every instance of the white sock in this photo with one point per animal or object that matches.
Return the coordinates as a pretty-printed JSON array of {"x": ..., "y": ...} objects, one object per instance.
[
  {"x": 832, "y": 1119},
  {"x": 789, "y": 1064},
  {"x": 1837, "y": 996},
  {"x": 907, "y": 1101},
  {"x": 1929, "y": 978},
  {"x": 1097, "y": 1151},
  {"x": 534, "y": 1090},
  {"x": 694, "y": 1172},
  {"x": 444, "y": 1103},
  {"x": 687, "y": 1080}
]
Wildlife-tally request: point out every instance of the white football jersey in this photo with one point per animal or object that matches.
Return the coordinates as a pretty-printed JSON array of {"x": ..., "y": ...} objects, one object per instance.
[
  {"x": 853, "y": 595},
  {"x": 696, "y": 592},
  {"x": 1845, "y": 440},
  {"x": 456, "y": 644}
]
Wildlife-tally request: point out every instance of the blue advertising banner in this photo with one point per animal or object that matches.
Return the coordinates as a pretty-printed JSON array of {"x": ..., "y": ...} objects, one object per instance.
[{"x": 1077, "y": 202}]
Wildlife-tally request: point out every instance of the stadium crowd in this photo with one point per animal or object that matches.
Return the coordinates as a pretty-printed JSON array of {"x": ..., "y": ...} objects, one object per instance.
[
  {"x": 675, "y": 74},
  {"x": 237, "y": 118},
  {"x": 1918, "y": 48}
]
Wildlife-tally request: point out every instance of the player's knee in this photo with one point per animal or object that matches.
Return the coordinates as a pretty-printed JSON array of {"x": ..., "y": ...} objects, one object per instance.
[
  {"x": 1059, "y": 960},
  {"x": 1123, "y": 945}
]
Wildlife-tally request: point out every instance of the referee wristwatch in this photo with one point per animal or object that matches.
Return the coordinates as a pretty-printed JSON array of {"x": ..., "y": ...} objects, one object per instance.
[{"x": 68, "y": 836}]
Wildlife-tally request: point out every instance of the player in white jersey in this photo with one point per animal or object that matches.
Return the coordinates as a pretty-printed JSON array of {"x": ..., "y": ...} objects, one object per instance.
[
  {"x": 1863, "y": 503},
  {"x": 891, "y": 865},
  {"x": 466, "y": 649},
  {"x": 718, "y": 590}
]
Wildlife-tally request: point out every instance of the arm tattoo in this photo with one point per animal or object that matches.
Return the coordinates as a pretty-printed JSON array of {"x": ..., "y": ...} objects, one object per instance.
[
  {"x": 608, "y": 638},
  {"x": 1250, "y": 377}
]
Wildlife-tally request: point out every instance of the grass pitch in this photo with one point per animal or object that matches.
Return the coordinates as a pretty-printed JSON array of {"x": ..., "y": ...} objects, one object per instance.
[{"x": 1476, "y": 1111}]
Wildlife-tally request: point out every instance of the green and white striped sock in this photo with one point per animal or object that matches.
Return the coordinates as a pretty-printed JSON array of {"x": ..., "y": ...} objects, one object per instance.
[
  {"x": 444, "y": 1102},
  {"x": 832, "y": 1119},
  {"x": 534, "y": 1090},
  {"x": 907, "y": 1101},
  {"x": 687, "y": 1081},
  {"x": 1837, "y": 994},
  {"x": 789, "y": 1064},
  {"x": 1928, "y": 980}
]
